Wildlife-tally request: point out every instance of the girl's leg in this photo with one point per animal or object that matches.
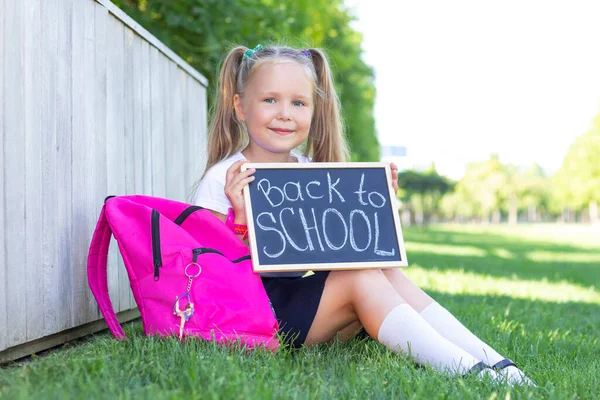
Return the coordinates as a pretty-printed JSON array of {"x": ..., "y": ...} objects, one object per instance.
[
  {"x": 446, "y": 324},
  {"x": 348, "y": 294},
  {"x": 349, "y": 331},
  {"x": 413, "y": 295},
  {"x": 440, "y": 318},
  {"x": 368, "y": 296}
]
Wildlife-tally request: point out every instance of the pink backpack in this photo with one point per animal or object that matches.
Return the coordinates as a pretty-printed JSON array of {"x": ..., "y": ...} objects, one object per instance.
[{"x": 190, "y": 275}]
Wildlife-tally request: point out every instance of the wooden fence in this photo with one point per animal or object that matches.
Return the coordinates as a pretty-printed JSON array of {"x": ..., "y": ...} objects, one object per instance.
[{"x": 91, "y": 104}]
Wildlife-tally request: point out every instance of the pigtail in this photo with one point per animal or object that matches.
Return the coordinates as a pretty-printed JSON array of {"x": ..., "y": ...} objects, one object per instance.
[
  {"x": 225, "y": 135},
  {"x": 326, "y": 140}
]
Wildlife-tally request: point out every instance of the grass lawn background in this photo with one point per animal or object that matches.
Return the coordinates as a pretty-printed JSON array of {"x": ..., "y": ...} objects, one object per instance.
[{"x": 531, "y": 291}]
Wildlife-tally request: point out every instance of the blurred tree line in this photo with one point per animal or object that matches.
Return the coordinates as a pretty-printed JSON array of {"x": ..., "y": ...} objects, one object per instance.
[
  {"x": 202, "y": 31},
  {"x": 491, "y": 191}
]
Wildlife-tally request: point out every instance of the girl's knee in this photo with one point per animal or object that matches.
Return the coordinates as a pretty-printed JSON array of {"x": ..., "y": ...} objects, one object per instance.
[
  {"x": 368, "y": 274},
  {"x": 360, "y": 277}
]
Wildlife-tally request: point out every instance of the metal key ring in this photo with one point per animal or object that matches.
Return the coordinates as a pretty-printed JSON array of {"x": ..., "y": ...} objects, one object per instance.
[{"x": 190, "y": 275}]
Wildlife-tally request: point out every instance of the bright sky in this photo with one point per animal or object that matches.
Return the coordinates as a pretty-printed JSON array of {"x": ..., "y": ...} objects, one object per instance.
[{"x": 458, "y": 80}]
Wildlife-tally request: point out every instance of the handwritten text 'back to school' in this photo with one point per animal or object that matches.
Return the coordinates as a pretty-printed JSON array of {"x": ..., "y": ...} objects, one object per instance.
[{"x": 317, "y": 216}]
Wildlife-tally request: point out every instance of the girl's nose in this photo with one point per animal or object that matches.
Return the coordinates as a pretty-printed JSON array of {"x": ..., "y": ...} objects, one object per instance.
[{"x": 284, "y": 113}]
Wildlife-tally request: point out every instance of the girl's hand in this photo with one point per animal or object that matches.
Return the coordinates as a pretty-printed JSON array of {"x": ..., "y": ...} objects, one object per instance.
[
  {"x": 235, "y": 181},
  {"x": 394, "y": 169}
]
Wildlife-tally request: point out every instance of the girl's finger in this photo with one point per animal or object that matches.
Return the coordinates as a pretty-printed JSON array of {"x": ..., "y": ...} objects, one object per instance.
[
  {"x": 235, "y": 166},
  {"x": 242, "y": 175},
  {"x": 237, "y": 188},
  {"x": 234, "y": 169}
]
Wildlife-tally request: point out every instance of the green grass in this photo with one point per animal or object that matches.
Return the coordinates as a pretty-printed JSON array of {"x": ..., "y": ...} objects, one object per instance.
[{"x": 532, "y": 292}]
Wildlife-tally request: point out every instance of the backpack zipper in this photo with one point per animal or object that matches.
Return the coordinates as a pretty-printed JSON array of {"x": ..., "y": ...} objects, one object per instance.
[
  {"x": 196, "y": 252},
  {"x": 156, "y": 244},
  {"x": 202, "y": 250}
]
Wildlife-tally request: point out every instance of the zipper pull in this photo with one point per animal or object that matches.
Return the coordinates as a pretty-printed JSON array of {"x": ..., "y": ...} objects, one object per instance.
[
  {"x": 156, "y": 272},
  {"x": 196, "y": 253}
]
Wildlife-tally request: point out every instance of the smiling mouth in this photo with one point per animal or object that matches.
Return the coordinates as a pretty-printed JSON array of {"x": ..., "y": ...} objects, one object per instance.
[{"x": 281, "y": 131}]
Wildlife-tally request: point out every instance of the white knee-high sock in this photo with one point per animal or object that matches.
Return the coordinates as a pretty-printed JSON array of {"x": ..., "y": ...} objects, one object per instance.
[
  {"x": 404, "y": 331},
  {"x": 449, "y": 327}
]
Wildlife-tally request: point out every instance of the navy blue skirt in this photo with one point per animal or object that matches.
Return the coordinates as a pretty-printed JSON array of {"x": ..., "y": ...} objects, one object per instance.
[{"x": 295, "y": 301}]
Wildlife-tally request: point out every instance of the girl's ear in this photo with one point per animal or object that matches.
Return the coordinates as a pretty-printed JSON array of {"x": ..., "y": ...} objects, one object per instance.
[{"x": 239, "y": 109}]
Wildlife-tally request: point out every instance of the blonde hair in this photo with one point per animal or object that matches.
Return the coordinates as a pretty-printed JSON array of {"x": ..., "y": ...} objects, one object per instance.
[{"x": 227, "y": 135}]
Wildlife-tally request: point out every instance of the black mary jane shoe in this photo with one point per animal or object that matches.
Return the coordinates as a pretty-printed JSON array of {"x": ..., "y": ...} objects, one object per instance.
[
  {"x": 507, "y": 362},
  {"x": 477, "y": 368},
  {"x": 500, "y": 365}
]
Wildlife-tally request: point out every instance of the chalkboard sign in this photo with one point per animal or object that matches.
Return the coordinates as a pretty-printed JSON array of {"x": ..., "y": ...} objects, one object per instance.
[{"x": 323, "y": 216}]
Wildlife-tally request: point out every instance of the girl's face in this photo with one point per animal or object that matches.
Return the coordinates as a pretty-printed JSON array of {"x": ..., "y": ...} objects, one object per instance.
[{"x": 277, "y": 107}]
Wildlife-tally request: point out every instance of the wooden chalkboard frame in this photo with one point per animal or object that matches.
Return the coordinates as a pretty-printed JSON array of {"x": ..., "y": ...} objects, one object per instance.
[{"x": 257, "y": 267}]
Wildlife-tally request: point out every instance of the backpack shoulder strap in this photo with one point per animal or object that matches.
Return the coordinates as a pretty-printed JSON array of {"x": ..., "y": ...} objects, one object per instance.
[{"x": 97, "y": 273}]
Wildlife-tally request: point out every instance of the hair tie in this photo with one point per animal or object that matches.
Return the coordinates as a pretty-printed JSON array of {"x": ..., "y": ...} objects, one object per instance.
[
  {"x": 307, "y": 53},
  {"x": 251, "y": 52}
]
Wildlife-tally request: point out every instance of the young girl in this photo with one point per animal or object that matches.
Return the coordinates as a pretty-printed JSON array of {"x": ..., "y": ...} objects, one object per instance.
[{"x": 271, "y": 101}]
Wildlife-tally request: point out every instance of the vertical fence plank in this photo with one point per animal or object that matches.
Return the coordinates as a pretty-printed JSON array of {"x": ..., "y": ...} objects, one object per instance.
[
  {"x": 93, "y": 197},
  {"x": 197, "y": 132},
  {"x": 3, "y": 274},
  {"x": 188, "y": 142},
  {"x": 115, "y": 143},
  {"x": 157, "y": 66},
  {"x": 14, "y": 164},
  {"x": 101, "y": 17},
  {"x": 33, "y": 171},
  {"x": 84, "y": 161},
  {"x": 200, "y": 130},
  {"x": 170, "y": 150},
  {"x": 146, "y": 119},
  {"x": 129, "y": 149},
  {"x": 136, "y": 77},
  {"x": 193, "y": 152},
  {"x": 173, "y": 149},
  {"x": 51, "y": 289},
  {"x": 128, "y": 98},
  {"x": 169, "y": 147},
  {"x": 178, "y": 126},
  {"x": 80, "y": 140},
  {"x": 64, "y": 134}
]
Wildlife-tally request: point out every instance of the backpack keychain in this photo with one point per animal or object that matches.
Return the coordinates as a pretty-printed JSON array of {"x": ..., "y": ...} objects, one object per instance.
[{"x": 188, "y": 311}]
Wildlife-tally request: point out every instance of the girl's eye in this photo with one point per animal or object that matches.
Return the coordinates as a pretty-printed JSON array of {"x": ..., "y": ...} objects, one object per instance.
[
  {"x": 270, "y": 100},
  {"x": 298, "y": 103}
]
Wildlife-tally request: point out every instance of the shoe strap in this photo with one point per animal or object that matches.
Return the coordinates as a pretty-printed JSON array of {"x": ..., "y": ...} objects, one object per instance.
[
  {"x": 507, "y": 362},
  {"x": 477, "y": 368}
]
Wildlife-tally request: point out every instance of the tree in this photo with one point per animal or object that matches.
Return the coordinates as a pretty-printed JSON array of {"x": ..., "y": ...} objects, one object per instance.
[
  {"x": 491, "y": 189},
  {"x": 423, "y": 191},
  {"x": 578, "y": 180},
  {"x": 484, "y": 187},
  {"x": 533, "y": 192},
  {"x": 201, "y": 31}
]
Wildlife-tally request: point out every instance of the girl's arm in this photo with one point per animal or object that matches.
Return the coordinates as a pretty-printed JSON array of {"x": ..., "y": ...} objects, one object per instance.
[
  {"x": 235, "y": 181},
  {"x": 217, "y": 214}
]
